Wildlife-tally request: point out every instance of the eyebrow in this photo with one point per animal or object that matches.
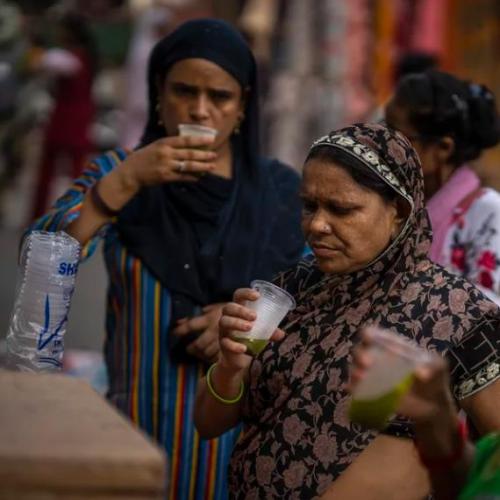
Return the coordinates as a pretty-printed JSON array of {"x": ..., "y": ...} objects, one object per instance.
[
  {"x": 343, "y": 203},
  {"x": 181, "y": 84}
]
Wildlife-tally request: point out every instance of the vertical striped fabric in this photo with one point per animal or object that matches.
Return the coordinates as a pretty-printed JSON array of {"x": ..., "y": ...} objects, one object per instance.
[{"x": 155, "y": 393}]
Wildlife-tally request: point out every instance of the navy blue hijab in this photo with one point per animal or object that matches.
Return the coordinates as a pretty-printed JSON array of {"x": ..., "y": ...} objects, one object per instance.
[{"x": 203, "y": 240}]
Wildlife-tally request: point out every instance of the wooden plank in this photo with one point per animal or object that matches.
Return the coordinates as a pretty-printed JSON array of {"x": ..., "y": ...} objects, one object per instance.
[
  {"x": 40, "y": 494},
  {"x": 58, "y": 434}
]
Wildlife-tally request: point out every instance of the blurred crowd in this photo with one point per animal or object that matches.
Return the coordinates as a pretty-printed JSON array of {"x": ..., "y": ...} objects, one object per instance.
[
  {"x": 186, "y": 220},
  {"x": 68, "y": 91},
  {"x": 72, "y": 84}
]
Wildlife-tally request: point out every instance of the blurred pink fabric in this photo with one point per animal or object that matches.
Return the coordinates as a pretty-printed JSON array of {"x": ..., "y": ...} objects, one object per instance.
[
  {"x": 429, "y": 29},
  {"x": 443, "y": 203}
]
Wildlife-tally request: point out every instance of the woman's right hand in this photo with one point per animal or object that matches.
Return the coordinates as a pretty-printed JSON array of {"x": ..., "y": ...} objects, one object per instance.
[
  {"x": 238, "y": 319},
  {"x": 169, "y": 159}
]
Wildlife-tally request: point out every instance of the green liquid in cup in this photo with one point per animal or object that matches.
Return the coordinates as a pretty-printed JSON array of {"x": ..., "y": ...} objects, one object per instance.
[
  {"x": 254, "y": 346},
  {"x": 375, "y": 412}
]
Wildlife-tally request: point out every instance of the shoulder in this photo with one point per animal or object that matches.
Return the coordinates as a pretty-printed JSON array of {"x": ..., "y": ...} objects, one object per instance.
[
  {"x": 488, "y": 201},
  {"x": 454, "y": 307},
  {"x": 473, "y": 323},
  {"x": 444, "y": 281},
  {"x": 281, "y": 174},
  {"x": 478, "y": 302}
]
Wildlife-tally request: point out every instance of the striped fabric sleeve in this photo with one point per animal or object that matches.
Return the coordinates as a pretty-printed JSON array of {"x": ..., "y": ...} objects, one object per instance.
[{"x": 67, "y": 208}]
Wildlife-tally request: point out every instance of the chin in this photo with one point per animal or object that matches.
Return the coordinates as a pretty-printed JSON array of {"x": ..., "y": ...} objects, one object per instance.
[{"x": 327, "y": 266}]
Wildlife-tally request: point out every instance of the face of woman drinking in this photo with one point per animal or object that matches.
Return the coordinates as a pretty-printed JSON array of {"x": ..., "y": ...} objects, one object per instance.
[
  {"x": 200, "y": 92},
  {"x": 347, "y": 225}
]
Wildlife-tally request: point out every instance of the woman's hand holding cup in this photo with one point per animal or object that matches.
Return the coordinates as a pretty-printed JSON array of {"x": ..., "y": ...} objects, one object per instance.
[
  {"x": 170, "y": 159},
  {"x": 236, "y": 317},
  {"x": 237, "y": 321}
]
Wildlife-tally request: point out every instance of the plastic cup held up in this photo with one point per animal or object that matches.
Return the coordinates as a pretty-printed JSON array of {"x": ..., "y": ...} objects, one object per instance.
[
  {"x": 394, "y": 360},
  {"x": 271, "y": 307}
]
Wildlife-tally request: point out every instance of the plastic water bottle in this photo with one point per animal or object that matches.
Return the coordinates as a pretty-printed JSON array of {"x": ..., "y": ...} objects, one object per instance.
[{"x": 48, "y": 266}]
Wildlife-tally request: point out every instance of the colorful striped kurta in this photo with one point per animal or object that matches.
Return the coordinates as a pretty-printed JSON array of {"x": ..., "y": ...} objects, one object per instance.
[{"x": 156, "y": 393}]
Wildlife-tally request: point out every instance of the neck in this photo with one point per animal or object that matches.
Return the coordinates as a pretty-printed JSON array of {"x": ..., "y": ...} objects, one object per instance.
[
  {"x": 224, "y": 162},
  {"x": 446, "y": 172},
  {"x": 433, "y": 183}
]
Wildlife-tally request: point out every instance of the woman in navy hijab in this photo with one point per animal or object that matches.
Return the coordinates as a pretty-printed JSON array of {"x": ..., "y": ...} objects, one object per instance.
[{"x": 185, "y": 222}]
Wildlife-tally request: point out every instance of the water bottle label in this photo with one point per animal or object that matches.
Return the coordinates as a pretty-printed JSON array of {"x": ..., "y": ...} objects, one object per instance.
[
  {"x": 50, "y": 343},
  {"x": 67, "y": 268}
]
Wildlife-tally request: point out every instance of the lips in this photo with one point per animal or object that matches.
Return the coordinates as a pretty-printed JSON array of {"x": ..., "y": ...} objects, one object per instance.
[{"x": 321, "y": 250}]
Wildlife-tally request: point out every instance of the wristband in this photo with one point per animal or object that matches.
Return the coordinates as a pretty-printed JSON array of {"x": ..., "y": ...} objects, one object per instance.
[
  {"x": 217, "y": 396},
  {"x": 100, "y": 204},
  {"x": 447, "y": 462}
]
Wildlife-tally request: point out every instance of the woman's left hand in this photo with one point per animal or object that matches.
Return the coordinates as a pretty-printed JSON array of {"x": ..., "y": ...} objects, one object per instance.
[
  {"x": 429, "y": 396},
  {"x": 206, "y": 347}
]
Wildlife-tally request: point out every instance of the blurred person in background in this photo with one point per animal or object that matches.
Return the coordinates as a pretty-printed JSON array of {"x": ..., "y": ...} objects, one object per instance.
[
  {"x": 12, "y": 49},
  {"x": 414, "y": 62},
  {"x": 71, "y": 66},
  {"x": 151, "y": 25},
  {"x": 409, "y": 63},
  {"x": 457, "y": 468},
  {"x": 450, "y": 122},
  {"x": 185, "y": 222}
]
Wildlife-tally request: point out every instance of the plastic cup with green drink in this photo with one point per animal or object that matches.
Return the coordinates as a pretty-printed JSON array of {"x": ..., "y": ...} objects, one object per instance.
[
  {"x": 394, "y": 360},
  {"x": 270, "y": 308}
]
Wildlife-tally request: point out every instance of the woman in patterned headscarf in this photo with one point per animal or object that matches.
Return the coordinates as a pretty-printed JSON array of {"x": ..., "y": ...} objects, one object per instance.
[{"x": 365, "y": 221}]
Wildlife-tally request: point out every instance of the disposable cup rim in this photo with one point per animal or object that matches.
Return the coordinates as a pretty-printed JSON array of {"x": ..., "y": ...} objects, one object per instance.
[
  {"x": 278, "y": 290},
  {"x": 199, "y": 128},
  {"x": 401, "y": 347}
]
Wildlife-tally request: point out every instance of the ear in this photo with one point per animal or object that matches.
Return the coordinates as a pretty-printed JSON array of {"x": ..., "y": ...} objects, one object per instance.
[
  {"x": 445, "y": 149},
  {"x": 159, "y": 83},
  {"x": 244, "y": 100},
  {"x": 402, "y": 211}
]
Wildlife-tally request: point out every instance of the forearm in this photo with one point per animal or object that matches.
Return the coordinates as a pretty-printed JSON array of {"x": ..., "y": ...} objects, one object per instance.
[
  {"x": 439, "y": 438},
  {"x": 212, "y": 417},
  {"x": 115, "y": 191}
]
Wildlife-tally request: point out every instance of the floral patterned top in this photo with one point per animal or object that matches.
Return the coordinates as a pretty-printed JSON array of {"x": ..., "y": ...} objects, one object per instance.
[
  {"x": 298, "y": 438},
  {"x": 472, "y": 244}
]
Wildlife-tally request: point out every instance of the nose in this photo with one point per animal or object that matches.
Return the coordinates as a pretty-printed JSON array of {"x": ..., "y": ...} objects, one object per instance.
[
  {"x": 319, "y": 225},
  {"x": 199, "y": 110}
]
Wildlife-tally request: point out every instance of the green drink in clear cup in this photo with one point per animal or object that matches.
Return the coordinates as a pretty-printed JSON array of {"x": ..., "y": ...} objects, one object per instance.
[
  {"x": 376, "y": 397},
  {"x": 271, "y": 307},
  {"x": 254, "y": 346}
]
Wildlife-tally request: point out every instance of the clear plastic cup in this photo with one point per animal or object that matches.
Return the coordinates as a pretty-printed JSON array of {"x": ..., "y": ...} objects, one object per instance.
[
  {"x": 271, "y": 307},
  {"x": 193, "y": 130},
  {"x": 377, "y": 396}
]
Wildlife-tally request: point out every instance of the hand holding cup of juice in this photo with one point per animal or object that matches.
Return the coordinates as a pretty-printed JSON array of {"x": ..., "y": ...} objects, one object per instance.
[
  {"x": 393, "y": 362},
  {"x": 270, "y": 308}
]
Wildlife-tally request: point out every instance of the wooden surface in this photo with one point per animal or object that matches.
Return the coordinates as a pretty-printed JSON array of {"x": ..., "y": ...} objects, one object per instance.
[{"x": 60, "y": 439}]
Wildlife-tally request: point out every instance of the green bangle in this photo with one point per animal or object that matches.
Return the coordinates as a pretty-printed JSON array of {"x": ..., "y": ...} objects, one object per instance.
[{"x": 220, "y": 398}]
